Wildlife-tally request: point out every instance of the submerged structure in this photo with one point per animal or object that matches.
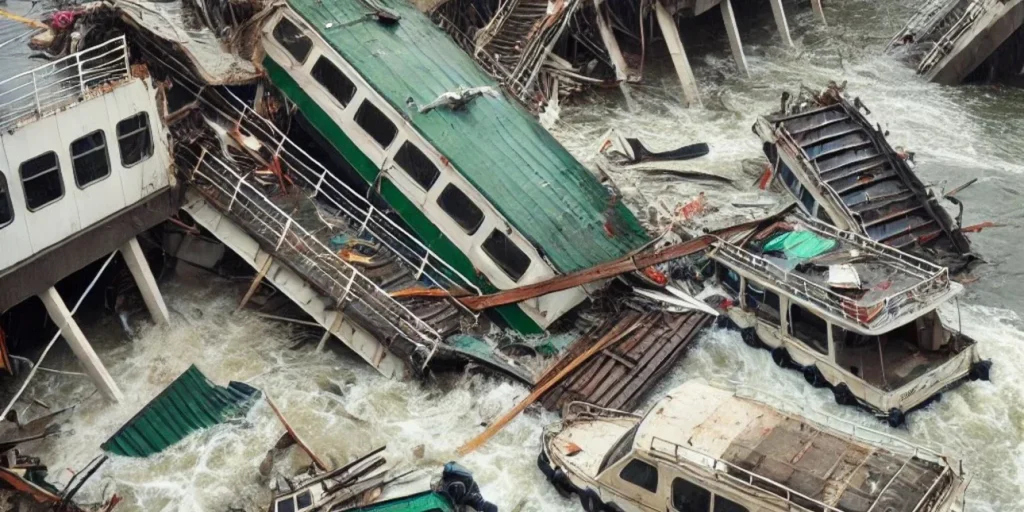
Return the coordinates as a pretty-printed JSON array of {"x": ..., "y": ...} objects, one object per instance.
[
  {"x": 850, "y": 313},
  {"x": 952, "y": 41},
  {"x": 842, "y": 170},
  {"x": 704, "y": 448}
]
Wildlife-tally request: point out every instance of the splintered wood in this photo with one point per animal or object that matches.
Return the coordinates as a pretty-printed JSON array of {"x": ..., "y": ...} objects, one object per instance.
[{"x": 618, "y": 376}]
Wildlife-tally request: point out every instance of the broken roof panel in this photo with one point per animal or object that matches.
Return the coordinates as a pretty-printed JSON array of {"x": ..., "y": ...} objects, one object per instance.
[
  {"x": 190, "y": 403},
  {"x": 496, "y": 144}
]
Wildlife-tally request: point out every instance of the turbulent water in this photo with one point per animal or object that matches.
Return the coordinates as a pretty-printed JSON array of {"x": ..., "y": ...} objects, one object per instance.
[{"x": 342, "y": 408}]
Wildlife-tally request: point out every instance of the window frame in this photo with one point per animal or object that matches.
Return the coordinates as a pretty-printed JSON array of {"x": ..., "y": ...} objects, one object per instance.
[
  {"x": 5, "y": 197},
  {"x": 74, "y": 159},
  {"x": 709, "y": 500},
  {"x": 60, "y": 180},
  {"x": 369, "y": 103},
  {"x": 323, "y": 58},
  {"x": 791, "y": 330},
  {"x": 468, "y": 231},
  {"x": 299, "y": 29},
  {"x": 638, "y": 461},
  {"x": 412, "y": 176},
  {"x": 149, "y": 140},
  {"x": 498, "y": 262}
]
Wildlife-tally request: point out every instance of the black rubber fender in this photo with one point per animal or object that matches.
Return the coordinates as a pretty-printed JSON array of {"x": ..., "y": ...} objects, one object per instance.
[
  {"x": 591, "y": 502},
  {"x": 895, "y": 418},
  {"x": 612, "y": 507},
  {"x": 814, "y": 377},
  {"x": 982, "y": 370},
  {"x": 781, "y": 357},
  {"x": 749, "y": 336},
  {"x": 843, "y": 395},
  {"x": 724, "y": 322}
]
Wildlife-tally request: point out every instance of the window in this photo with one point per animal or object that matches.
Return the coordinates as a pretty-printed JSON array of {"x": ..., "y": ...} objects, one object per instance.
[
  {"x": 304, "y": 500},
  {"x": 619, "y": 449},
  {"x": 724, "y": 505},
  {"x": 134, "y": 140},
  {"x": 807, "y": 200},
  {"x": 460, "y": 208},
  {"x": 763, "y": 301},
  {"x": 333, "y": 80},
  {"x": 286, "y": 505},
  {"x": 640, "y": 474},
  {"x": 512, "y": 260},
  {"x": 729, "y": 278},
  {"x": 6, "y": 210},
  {"x": 89, "y": 159},
  {"x": 292, "y": 39},
  {"x": 687, "y": 497},
  {"x": 376, "y": 124},
  {"x": 822, "y": 215},
  {"x": 417, "y": 165},
  {"x": 42, "y": 181},
  {"x": 808, "y": 328}
]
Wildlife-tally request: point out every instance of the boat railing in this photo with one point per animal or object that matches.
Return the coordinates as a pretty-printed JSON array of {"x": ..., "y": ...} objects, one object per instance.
[
  {"x": 947, "y": 42},
  {"x": 62, "y": 83},
  {"x": 677, "y": 453},
  {"x": 894, "y": 304},
  {"x": 237, "y": 197}
]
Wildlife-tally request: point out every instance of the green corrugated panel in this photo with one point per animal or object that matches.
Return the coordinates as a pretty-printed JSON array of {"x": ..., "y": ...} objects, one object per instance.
[
  {"x": 498, "y": 146},
  {"x": 423, "y": 502},
  {"x": 190, "y": 403}
]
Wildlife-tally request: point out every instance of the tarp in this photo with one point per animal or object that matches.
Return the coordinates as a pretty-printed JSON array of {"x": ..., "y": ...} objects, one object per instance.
[
  {"x": 190, "y": 403},
  {"x": 799, "y": 244},
  {"x": 423, "y": 502}
]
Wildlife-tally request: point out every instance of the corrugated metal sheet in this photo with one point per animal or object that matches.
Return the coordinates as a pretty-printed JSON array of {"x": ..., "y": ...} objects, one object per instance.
[
  {"x": 499, "y": 147},
  {"x": 190, "y": 403}
]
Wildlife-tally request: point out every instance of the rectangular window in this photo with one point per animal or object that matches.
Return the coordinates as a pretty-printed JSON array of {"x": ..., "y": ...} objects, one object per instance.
[
  {"x": 620, "y": 449},
  {"x": 336, "y": 83},
  {"x": 512, "y": 260},
  {"x": 729, "y": 278},
  {"x": 417, "y": 165},
  {"x": 6, "y": 209},
  {"x": 724, "y": 505},
  {"x": 134, "y": 140},
  {"x": 763, "y": 301},
  {"x": 460, "y": 208},
  {"x": 304, "y": 500},
  {"x": 807, "y": 200},
  {"x": 376, "y": 124},
  {"x": 292, "y": 39},
  {"x": 688, "y": 497},
  {"x": 42, "y": 181},
  {"x": 286, "y": 505},
  {"x": 808, "y": 328},
  {"x": 640, "y": 474},
  {"x": 89, "y": 159}
]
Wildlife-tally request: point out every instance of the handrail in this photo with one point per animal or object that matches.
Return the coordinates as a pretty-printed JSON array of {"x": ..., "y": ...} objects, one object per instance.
[
  {"x": 345, "y": 281},
  {"x": 63, "y": 82}
]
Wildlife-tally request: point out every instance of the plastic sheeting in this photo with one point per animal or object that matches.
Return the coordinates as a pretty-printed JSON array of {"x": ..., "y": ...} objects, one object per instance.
[{"x": 799, "y": 244}]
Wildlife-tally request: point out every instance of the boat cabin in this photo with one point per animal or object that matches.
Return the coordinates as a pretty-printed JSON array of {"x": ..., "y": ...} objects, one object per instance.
[
  {"x": 704, "y": 449},
  {"x": 471, "y": 173},
  {"x": 850, "y": 313},
  {"x": 840, "y": 169}
]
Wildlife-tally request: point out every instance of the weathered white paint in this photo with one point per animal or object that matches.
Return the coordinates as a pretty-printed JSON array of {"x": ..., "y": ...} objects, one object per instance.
[
  {"x": 729, "y": 18},
  {"x": 79, "y": 208},
  {"x": 79, "y": 344},
  {"x": 816, "y": 6},
  {"x": 780, "y": 21},
  {"x": 139, "y": 267},
  {"x": 354, "y": 336},
  {"x": 612, "y": 45},
  {"x": 691, "y": 94},
  {"x": 544, "y": 310}
]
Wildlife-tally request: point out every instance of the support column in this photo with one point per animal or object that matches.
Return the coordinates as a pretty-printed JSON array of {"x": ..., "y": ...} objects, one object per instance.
[
  {"x": 816, "y": 6},
  {"x": 136, "y": 260},
  {"x": 608, "y": 37},
  {"x": 79, "y": 345},
  {"x": 780, "y": 20},
  {"x": 691, "y": 95},
  {"x": 734, "y": 37}
]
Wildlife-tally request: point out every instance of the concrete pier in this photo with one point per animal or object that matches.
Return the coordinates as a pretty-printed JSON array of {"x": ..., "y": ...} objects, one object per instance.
[
  {"x": 691, "y": 94},
  {"x": 735, "y": 43},
  {"x": 136, "y": 261},
  {"x": 612, "y": 45},
  {"x": 780, "y": 21},
  {"x": 79, "y": 344}
]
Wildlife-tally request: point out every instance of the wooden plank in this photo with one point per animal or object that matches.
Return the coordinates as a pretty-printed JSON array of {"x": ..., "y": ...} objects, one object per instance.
[
  {"x": 657, "y": 339},
  {"x": 316, "y": 460},
  {"x": 658, "y": 345},
  {"x": 669, "y": 362}
]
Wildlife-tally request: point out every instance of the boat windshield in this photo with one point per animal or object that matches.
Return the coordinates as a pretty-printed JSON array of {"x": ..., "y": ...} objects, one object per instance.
[{"x": 619, "y": 449}]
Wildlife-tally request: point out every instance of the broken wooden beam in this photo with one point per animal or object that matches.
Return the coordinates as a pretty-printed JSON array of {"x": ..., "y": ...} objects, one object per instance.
[{"x": 295, "y": 436}]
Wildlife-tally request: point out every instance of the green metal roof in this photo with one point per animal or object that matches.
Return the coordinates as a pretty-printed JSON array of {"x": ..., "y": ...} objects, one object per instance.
[
  {"x": 497, "y": 145},
  {"x": 422, "y": 502},
  {"x": 190, "y": 403}
]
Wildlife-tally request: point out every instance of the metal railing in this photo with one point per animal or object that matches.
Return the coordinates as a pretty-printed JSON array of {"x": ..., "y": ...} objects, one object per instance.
[
  {"x": 933, "y": 279},
  {"x": 323, "y": 184},
  {"x": 62, "y": 83},
  {"x": 949, "y": 39},
  {"x": 785, "y": 138},
  {"x": 242, "y": 201}
]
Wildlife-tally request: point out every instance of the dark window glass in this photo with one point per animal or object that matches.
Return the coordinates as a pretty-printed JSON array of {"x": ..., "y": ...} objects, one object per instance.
[
  {"x": 807, "y": 200},
  {"x": 687, "y": 497},
  {"x": 729, "y": 278},
  {"x": 620, "y": 449},
  {"x": 287, "y": 505},
  {"x": 822, "y": 215},
  {"x": 512, "y": 260},
  {"x": 292, "y": 39},
  {"x": 460, "y": 208},
  {"x": 788, "y": 177},
  {"x": 376, "y": 124},
  {"x": 304, "y": 500},
  {"x": 89, "y": 159},
  {"x": 808, "y": 328},
  {"x": 641, "y": 474},
  {"x": 417, "y": 165},
  {"x": 134, "y": 140},
  {"x": 334, "y": 80},
  {"x": 6, "y": 209},
  {"x": 724, "y": 505},
  {"x": 41, "y": 178},
  {"x": 763, "y": 301}
]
